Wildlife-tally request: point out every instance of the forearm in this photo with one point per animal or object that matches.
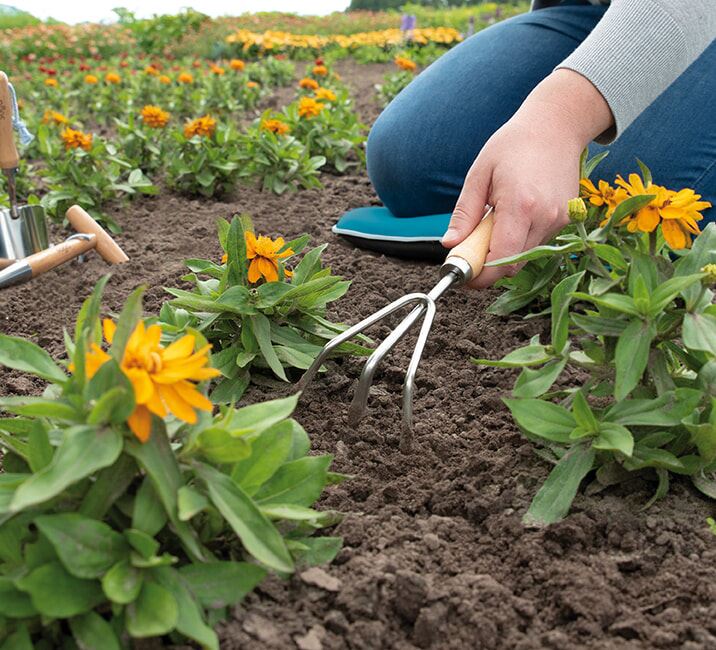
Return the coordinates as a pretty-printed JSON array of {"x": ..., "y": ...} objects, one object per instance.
[
  {"x": 638, "y": 49},
  {"x": 567, "y": 104}
]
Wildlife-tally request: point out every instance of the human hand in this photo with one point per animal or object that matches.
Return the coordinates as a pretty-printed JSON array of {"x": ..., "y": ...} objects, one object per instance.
[{"x": 528, "y": 170}]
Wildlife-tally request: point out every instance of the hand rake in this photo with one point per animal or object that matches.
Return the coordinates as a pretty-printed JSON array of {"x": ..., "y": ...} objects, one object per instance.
[{"x": 463, "y": 263}]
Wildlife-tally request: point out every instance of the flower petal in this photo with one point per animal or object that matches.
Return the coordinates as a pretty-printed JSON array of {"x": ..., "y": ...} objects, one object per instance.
[
  {"x": 180, "y": 348},
  {"x": 140, "y": 423}
]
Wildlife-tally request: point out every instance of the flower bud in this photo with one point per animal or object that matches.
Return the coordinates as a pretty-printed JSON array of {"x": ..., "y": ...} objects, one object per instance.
[
  {"x": 710, "y": 278},
  {"x": 577, "y": 210}
]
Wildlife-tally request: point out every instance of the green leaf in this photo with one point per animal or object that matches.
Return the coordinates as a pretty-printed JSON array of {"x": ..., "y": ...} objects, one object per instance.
[
  {"x": 83, "y": 451},
  {"x": 128, "y": 319},
  {"x": 258, "y": 535},
  {"x": 612, "y": 255},
  {"x": 88, "y": 317},
  {"x": 628, "y": 206},
  {"x": 310, "y": 263},
  {"x": 702, "y": 252},
  {"x": 190, "y": 621},
  {"x": 561, "y": 298},
  {"x": 38, "y": 407},
  {"x": 236, "y": 247},
  {"x": 319, "y": 550},
  {"x": 530, "y": 355},
  {"x": 615, "y": 301},
  {"x": 221, "y": 447},
  {"x": 18, "y": 640},
  {"x": 155, "y": 612},
  {"x": 222, "y": 584},
  {"x": 537, "y": 252},
  {"x": 614, "y": 437},
  {"x": 111, "y": 484},
  {"x": 631, "y": 356},
  {"x": 142, "y": 543},
  {"x": 92, "y": 632},
  {"x": 299, "y": 482},
  {"x": 667, "y": 410},
  {"x": 19, "y": 354},
  {"x": 599, "y": 325},
  {"x": 583, "y": 415},
  {"x": 112, "y": 407},
  {"x": 122, "y": 583},
  {"x": 39, "y": 449},
  {"x": 13, "y": 602},
  {"x": 87, "y": 548},
  {"x": 57, "y": 594},
  {"x": 262, "y": 331},
  {"x": 148, "y": 514},
  {"x": 190, "y": 502},
  {"x": 544, "y": 419},
  {"x": 554, "y": 498},
  {"x": 159, "y": 462},
  {"x": 699, "y": 332},
  {"x": 259, "y": 417},
  {"x": 668, "y": 290},
  {"x": 533, "y": 382},
  {"x": 268, "y": 452}
]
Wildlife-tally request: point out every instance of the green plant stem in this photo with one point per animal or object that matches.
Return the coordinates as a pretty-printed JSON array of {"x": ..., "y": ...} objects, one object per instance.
[{"x": 590, "y": 251}]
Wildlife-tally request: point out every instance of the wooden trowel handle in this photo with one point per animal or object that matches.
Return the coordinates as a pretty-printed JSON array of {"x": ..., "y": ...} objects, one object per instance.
[
  {"x": 475, "y": 247},
  {"x": 9, "y": 158},
  {"x": 50, "y": 258}
]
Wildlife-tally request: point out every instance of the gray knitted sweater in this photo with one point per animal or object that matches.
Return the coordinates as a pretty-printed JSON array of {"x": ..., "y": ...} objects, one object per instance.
[{"x": 638, "y": 49}]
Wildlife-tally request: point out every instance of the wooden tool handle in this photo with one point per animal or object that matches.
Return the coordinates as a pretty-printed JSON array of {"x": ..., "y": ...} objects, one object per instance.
[
  {"x": 106, "y": 246},
  {"x": 475, "y": 247},
  {"x": 9, "y": 158},
  {"x": 50, "y": 258},
  {"x": 4, "y": 262}
]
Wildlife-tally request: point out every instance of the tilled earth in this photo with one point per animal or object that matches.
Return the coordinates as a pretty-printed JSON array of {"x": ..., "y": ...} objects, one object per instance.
[{"x": 435, "y": 555}]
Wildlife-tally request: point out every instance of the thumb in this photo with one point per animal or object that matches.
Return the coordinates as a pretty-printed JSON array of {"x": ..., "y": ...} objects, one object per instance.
[{"x": 470, "y": 206}]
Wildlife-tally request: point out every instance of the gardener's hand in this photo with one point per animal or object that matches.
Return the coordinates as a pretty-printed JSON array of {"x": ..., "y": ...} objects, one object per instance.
[{"x": 529, "y": 169}]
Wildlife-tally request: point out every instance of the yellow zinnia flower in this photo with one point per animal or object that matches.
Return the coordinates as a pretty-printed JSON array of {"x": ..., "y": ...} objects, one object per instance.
[
  {"x": 404, "y": 63},
  {"x": 112, "y": 78},
  {"x": 218, "y": 70},
  {"x": 164, "y": 79},
  {"x": 320, "y": 70},
  {"x": 237, "y": 64},
  {"x": 679, "y": 215},
  {"x": 275, "y": 126},
  {"x": 154, "y": 116},
  {"x": 264, "y": 254},
  {"x": 91, "y": 79},
  {"x": 308, "y": 84},
  {"x": 185, "y": 78},
  {"x": 309, "y": 107},
  {"x": 646, "y": 219},
  {"x": 163, "y": 379},
  {"x": 203, "y": 126},
  {"x": 326, "y": 94},
  {"x": 605, "y": 195},
  {"x": 51, "y": 81},
  {"x": 74, "y": 139},
  {"x": 54, "y": 117}
]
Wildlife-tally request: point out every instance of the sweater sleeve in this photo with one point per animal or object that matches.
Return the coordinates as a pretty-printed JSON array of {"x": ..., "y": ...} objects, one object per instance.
[{"x": 638, "y": 49}]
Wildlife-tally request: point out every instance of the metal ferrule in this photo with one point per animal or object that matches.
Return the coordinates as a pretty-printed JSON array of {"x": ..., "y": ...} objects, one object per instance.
[
  {"x": 458, "y": 266},
  {"x": 15, "y": 274}
]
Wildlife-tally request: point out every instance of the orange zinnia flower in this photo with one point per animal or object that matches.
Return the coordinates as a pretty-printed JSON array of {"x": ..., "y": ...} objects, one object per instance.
[
  {"x": 275, "y": 126},
  {"x": 252, "y": 84},
  {"x": 91, "y": 79},
  {"x": 163, "y": 379},
  {"x": 185, "y": 78},
  {"x": 218, "y": 70},
  {"x": 112, "y": 78},
  {"x": 320, "y": 70},
  {"x": 605, "y": 195},
  {"x": 237, "y": 64},
  {"x": 163, "y": 79},
  {"x": 51, "y": 81},
  {"x": 74, "y": 139},
  {"x": 150, "y": 69},
  {"x": 155, "y": 117},
  {"x": 309, "y": 107},
  {"x": 54, "y": 117},
  {"x": 308, "y": 83},
  {"x": 404, "y": 63},
  {"x": 264, "y": 254},
  {"x": 203, "y": 126}
]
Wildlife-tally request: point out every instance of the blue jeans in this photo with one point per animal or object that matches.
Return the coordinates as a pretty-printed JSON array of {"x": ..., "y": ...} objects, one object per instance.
[{"x": 424, "y": 142}]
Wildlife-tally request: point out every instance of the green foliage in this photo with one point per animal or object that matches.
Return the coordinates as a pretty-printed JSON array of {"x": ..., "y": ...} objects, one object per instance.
[
  {"x": 106, "y": 539},
  {"x": 257, "y": 327},
  {"x": 639, "y": 324},
  {"x": 393, "y": 83}
]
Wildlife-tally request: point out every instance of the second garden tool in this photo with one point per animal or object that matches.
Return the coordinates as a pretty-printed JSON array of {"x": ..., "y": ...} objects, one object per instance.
[
  {"x": 463, "y": 263},
  {"x": 89, "y": 235}
]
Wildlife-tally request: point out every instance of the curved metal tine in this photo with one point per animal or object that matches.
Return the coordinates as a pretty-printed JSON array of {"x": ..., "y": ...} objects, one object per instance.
[
  {"x": 352, "y": 331},
  {"x": 409, "y": 385},
  {"x": 360, "y": 397}
]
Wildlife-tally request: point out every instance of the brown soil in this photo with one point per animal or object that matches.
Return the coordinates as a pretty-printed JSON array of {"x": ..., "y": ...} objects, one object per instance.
[{"x": 435, "y": 555}]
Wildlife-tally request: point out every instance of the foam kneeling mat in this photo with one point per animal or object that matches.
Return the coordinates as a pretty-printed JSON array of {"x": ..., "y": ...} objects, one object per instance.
[{"x": 376, "y": 228}]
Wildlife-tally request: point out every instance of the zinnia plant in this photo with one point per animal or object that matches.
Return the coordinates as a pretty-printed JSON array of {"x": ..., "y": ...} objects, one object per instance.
[
  {"x": 107, "y": 538},
  {"x": 262, "y": 312},
  {"x": 630, "y": 297}
]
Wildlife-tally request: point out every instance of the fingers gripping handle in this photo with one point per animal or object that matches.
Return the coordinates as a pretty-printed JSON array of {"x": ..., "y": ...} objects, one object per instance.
[{"x": 473, "y": 249}]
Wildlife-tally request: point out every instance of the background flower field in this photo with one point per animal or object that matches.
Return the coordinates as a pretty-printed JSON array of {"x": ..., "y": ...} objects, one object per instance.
[{"x": 434, "y": 550}]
